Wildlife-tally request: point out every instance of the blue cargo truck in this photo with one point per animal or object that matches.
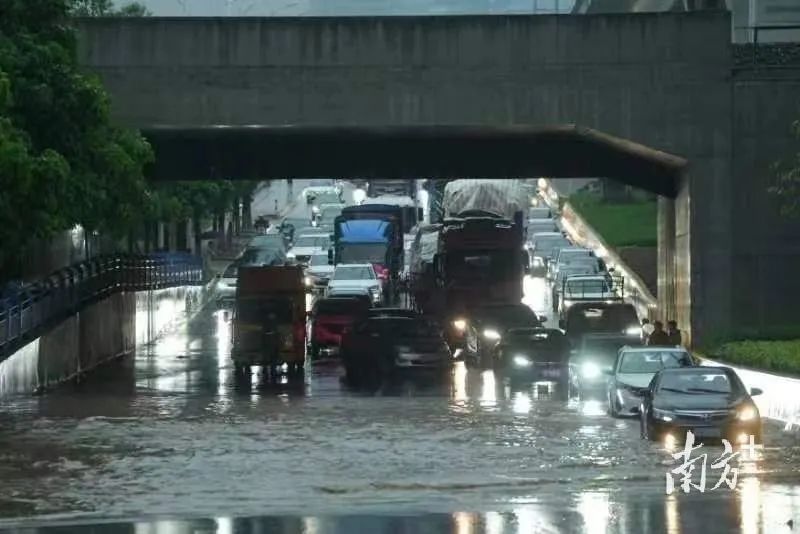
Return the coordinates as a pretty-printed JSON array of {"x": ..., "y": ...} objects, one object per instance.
[{"x": 373, "y": 234}]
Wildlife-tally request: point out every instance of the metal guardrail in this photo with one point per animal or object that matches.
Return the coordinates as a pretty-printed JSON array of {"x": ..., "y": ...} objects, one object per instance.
[
  {"x": 28, "y": 310},
  {"x": 584, "y": 235},
  {"x": 759, "y": 50}
]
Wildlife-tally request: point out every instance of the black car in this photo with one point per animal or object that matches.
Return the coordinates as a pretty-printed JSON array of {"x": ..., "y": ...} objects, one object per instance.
[
  {"x": 534, "y": 355},
  {"x": 711, "y": 402},
  {"x": 379, "y": 347},
  {"x": 486, "y": 325},
  {"x": 602, "y": 318}
]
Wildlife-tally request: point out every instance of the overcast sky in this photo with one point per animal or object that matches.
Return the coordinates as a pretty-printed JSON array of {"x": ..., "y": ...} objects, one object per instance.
[{"x": 206, "y": 8}]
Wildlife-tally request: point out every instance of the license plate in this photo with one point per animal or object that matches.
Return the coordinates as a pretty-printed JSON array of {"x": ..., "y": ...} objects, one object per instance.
[
  {"x": 707, "y": 432},
  {"x": 551, "y": 373}
]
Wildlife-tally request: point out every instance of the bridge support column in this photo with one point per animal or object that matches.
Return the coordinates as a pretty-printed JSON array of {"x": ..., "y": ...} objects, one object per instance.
[{"x": 666, "y": 259}]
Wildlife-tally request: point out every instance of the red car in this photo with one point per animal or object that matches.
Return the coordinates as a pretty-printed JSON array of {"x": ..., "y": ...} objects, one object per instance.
[{"x": 329, "y": 318}]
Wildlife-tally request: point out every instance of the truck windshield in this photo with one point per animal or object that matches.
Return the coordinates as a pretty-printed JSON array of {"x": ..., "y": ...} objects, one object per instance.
[
  {"x": 363, "y": 252},
  {"x": 481, "y": 264},
  {"x": 353, "y": 273}
]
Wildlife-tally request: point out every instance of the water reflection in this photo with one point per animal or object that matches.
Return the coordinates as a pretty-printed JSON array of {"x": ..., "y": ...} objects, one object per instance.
[
  {"x": 746, "y": 511},
  {"x": 672, "y": 515},
  {"x": 460, "y": 382},
  {"x": 595, "y": 509},
  {"x": 488, "y": 390},
  {"x": 522, "y": 403}
]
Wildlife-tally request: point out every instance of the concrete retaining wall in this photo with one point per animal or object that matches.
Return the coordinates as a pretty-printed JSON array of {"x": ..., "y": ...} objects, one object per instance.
[
  {"x": 101, "y": 332},
  {"x": 582, "y": 233}
]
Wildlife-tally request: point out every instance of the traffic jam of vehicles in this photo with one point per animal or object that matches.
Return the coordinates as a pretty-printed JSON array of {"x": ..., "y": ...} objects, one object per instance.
[{"x": 374, "y": 287}]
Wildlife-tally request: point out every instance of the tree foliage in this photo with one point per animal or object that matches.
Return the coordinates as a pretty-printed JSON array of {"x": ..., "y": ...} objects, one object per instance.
[
  {"x": 786, "y": 185},
  {"x": 105, "y": 8},
  {"x": 62, "y": 161}
]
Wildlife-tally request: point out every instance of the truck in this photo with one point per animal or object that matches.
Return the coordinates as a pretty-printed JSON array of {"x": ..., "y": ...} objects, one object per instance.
[
  {"x": 371, "y": 233},
  {"x": 269, "y": 319},
  {"x": 393, "y": 187},
  {"x": 479, "y": 257}
]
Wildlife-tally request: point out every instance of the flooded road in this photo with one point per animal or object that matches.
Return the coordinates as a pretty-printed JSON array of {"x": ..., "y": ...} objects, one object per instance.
[
  {"x": 169, "y": 433},
  {"x": 167, "y": 442}
]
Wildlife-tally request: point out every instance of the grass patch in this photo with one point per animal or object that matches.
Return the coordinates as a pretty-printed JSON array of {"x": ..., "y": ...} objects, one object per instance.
[
  {"x": 775, "y": 348},
  {"x": 629, "y": 224},
  {"x": 778, "y": 356}
]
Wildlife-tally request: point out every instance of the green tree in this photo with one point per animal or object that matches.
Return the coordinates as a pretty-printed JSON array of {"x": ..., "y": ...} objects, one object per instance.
[
  {"x": 105, "y": 8},
  {"x": 786, "y": 183},
  {"x": 134, "y": 9},
  {"x": 63, "y": 161}
]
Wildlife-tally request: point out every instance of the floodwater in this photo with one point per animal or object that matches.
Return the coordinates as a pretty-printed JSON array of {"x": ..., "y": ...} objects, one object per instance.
[
  {"x": 169, "y": 433},
  {"x": 167, "y": 442}
]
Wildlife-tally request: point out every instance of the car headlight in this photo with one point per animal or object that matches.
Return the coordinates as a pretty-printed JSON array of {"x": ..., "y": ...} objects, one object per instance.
[
  {"x": 309, "y": 281},
  {"x": 290, "y": 255},
  {"x": 460, "y": 324},
  {"x": 521, "y": 361},
  {"x": 568, "y": 303},
  {"x": 747, "y": 413},
  {"x": 662, "y": 415},
  {"x": 492, "y": 334},
  {"x": 635, "y": 331},
  {"x": 315, "y": 209},
  {"x": 590, "y": 370},
  {"x": 538, "y": 262}
]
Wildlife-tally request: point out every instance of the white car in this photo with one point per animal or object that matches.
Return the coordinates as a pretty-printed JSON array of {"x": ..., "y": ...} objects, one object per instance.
[
  {"x": 355, "y": 279},
  {"x": 319, "y": 271},
  {"x": 226, "y": 284},
  {"x": 633, "y": 370},
  {"x": 306, "y": 245},
  {"x": 566, "y": 255}
]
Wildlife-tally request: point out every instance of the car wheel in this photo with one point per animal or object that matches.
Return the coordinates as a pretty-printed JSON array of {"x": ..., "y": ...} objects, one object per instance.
[{"x": 613, "y": 410}]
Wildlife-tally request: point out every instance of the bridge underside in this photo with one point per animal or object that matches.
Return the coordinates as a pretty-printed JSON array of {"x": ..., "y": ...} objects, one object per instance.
[{"x": 264, "y": 152}]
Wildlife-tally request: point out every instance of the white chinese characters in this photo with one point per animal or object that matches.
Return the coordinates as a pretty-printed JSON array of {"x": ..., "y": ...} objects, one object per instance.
[{"x": 690, "y": 466}]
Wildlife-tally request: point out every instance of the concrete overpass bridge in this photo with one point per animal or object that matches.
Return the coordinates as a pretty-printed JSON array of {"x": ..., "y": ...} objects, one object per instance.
[{"x": 656, "y": 98}]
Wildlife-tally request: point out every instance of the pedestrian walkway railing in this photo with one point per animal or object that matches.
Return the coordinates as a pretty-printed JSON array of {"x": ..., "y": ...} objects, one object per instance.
[{"x": 28, "y": 310}]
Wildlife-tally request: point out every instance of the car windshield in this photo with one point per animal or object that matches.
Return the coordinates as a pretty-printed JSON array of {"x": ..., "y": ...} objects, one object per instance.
[
  {"x": 697, "y": 382},
  {"x": 312, "y": 241},
  {"x": 542, "y": 344},
  {"x": 518, "y": 315},
  {"x": 360, "y": 272},
  {"x": 326, "y": 198},
  {"x": 317, "y": 260},
  {"x": 256, "y": 256},
  {"x": 635, "y": 362},
  {"x": 548, "y": 243},
  {"x": 601, "y": 318},
  {"x": 404, "y": 327}
]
